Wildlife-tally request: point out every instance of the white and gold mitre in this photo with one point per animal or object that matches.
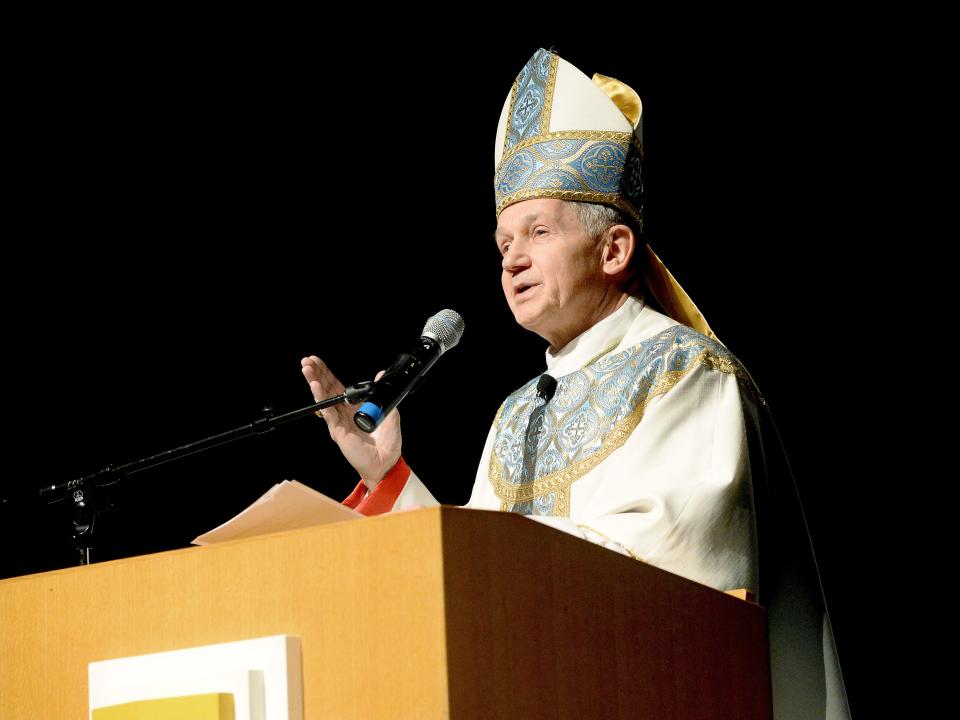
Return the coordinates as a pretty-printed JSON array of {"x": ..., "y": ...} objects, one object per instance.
[{"x": 566, "y": 136}]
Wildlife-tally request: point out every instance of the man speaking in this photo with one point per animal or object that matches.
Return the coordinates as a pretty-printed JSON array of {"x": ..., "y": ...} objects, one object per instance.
[{"x": 644, "y": 434}]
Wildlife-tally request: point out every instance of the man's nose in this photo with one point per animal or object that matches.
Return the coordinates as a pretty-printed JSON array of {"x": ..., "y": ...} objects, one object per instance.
[{"x": 516, "y": 257}]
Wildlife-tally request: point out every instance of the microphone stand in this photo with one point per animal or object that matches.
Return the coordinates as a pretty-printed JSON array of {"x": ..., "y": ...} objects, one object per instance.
[{"x": 85, "y": 491}]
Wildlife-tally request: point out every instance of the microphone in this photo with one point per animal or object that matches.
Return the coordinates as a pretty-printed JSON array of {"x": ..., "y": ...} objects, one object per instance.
[
  {"x": 441, "y": 333},
  {"x": 546, "y": 387}
]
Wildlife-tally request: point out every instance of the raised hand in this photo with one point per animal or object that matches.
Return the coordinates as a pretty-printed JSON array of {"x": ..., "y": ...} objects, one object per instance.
[{"x": 371, "y": 454}]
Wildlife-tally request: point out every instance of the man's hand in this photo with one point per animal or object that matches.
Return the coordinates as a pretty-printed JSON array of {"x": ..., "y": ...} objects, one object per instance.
[{"x": 371, "y": 454}]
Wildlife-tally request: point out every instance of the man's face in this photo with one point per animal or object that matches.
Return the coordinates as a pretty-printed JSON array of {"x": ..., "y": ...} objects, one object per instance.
[{"x": 552, "y": 271}]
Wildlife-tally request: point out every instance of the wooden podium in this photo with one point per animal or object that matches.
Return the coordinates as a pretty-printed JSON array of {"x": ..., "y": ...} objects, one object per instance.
[{"x": 437, "y": 613}]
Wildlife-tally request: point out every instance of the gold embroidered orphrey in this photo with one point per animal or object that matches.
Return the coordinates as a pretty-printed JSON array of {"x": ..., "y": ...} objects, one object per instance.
[{"x": 651, "y": 369}]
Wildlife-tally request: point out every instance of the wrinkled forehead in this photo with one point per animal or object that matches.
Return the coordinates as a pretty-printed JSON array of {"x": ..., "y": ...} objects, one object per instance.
[{"x": 522, "y": 215}]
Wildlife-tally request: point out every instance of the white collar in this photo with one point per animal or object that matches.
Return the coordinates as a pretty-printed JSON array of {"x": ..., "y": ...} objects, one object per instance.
[{"x": 595, "y": 341}]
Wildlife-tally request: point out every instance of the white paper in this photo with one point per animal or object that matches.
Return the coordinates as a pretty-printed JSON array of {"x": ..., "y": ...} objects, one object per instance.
[{"x": 286, "y": 506}]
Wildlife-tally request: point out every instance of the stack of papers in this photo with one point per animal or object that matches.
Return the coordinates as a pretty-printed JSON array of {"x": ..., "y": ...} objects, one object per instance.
[{"x": 286, "y": 506}]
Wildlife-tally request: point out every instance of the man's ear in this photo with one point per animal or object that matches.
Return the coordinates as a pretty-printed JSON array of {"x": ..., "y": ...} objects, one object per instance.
[{"x": 619, "y": 246}]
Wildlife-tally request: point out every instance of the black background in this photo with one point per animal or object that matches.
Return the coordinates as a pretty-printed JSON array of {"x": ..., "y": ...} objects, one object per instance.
[{"x": 196, "y": 208}]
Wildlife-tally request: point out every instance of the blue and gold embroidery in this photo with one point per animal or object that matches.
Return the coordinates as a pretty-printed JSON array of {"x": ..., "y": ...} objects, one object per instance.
[
  {"x": 575, "y": 163},
  {"x": 593, "y": 166},
  {"x": 531, "y": 99},
  {"x": 592, "y": 414}
]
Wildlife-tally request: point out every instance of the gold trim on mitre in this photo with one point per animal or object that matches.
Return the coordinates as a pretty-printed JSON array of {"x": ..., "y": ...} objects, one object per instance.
[
  {"x": 671, "y": 296},
  {"x": 623, "y": 96},
  {"x": 549, "y": 98}
]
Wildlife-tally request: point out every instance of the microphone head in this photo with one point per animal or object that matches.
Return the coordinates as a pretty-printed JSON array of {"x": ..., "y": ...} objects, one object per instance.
[
  {"x": 445, "y": 327},
  {"x": 546, "y": 387}
]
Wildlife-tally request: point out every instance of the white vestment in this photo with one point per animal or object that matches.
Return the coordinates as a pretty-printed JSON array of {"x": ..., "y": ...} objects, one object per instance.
[
  {"x": 676, "y": 494},
  {"x": 644, "y": 450}
]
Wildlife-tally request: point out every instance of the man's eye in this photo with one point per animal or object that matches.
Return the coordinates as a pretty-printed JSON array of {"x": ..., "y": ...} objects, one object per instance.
[
  {"x": 503, "y": 250},
  {"x": 539, "y": 230}
]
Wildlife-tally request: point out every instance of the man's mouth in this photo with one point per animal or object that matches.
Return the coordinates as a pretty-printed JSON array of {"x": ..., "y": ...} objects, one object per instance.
[{"x": 523, "y": 289}]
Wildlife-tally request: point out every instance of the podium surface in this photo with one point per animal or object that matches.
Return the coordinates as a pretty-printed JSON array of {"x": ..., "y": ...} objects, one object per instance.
[{"x": 436, "y": 613}]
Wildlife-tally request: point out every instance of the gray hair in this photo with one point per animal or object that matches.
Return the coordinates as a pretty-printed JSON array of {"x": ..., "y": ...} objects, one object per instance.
[{"x": 595, "y": 220}]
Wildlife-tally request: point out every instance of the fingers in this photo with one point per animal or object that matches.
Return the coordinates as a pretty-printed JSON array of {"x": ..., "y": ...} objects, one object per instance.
[
  {"x": 315, "y": 369},
  {"x": 323, "y": 384}
]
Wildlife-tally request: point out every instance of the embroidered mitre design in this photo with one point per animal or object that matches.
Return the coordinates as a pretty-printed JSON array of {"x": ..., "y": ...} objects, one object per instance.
[
  {"x": 592, "y": 413},
  {"x": 563, "y": 135}
]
